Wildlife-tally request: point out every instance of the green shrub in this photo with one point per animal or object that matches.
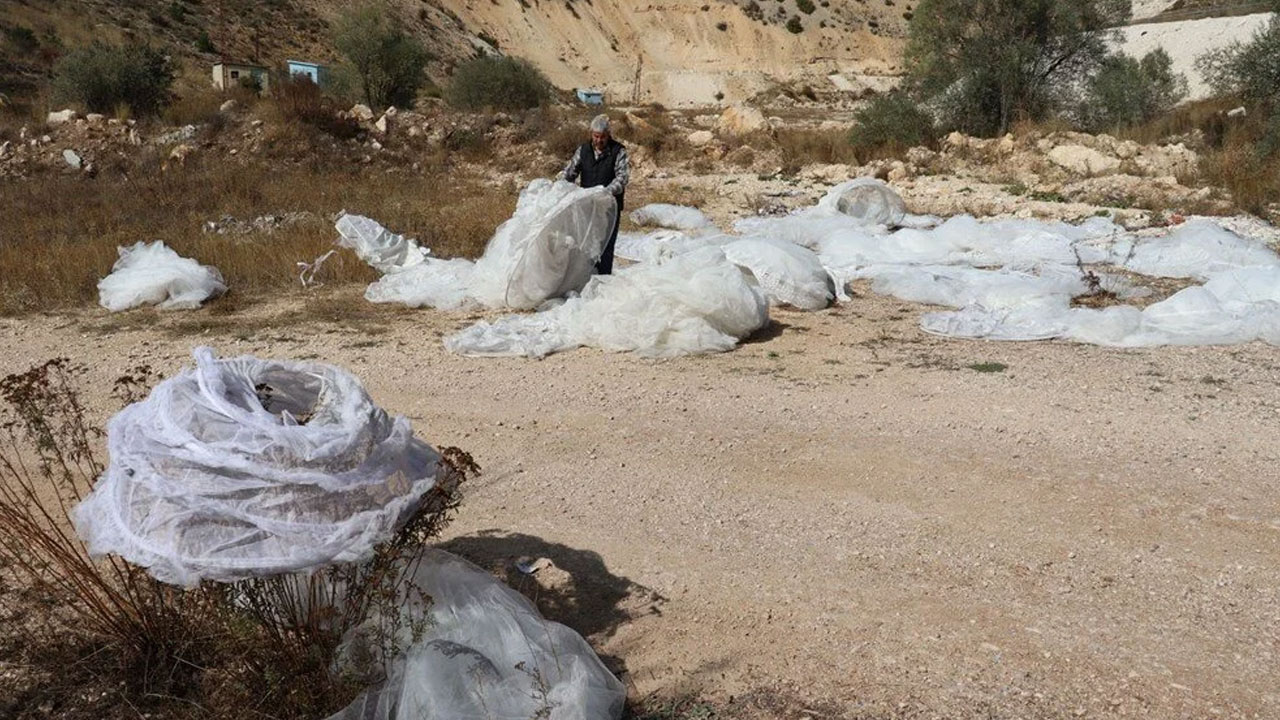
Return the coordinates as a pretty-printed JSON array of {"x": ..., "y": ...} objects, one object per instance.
[
  {"x": 1250, "y": 70},
  {"x": 21, "y": 38},
  {"x": 891, "y": 123},
  {"x": 103, "y": 77},
  {"x": 806, "y": 6},
  {"x": 501, "y": 83},
  {"x": 387, "y": 64},
  {"x": 1126, "y": 91},
  {"x": 794, "y": 25},
  {"x": 204, "y": 43}
]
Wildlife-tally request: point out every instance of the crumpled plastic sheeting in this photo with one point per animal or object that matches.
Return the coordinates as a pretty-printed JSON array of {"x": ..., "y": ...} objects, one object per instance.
[
  {"x": 696, "y": 302},
  {"x": 661, "y": 245},
  {"x": 1030, "y": 297},
  {"x": 867, "y": 199},
  {"x": 788, "y": 274},
  {"x": 1198, "y": 249},
  {"x": 674, "y": 217},
  {"x": 377, "y": 246},
  {"x": 487, "y": 654},
  {"x": 547, "y": 249},
  {"x": 1234, "y": 306},
  {"x": 153, "y": 274},
  {"x": 243, "y": 467}
]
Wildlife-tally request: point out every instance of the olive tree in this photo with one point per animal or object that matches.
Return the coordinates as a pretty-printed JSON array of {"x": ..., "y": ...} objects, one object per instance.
[{"x": 985, "y": 64}]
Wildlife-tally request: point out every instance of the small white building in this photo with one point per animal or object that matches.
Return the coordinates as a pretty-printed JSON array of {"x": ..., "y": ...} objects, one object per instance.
[{"x": 227, "y": 75}]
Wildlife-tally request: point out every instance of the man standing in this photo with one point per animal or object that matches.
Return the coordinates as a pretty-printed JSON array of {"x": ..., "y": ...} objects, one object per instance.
[{"x": 602, "y": 162}]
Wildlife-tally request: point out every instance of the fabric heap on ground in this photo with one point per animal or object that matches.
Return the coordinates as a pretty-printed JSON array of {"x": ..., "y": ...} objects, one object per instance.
[
  {"x": 696, "y": 302},
  {"x": 546, "y": 250},
  {"x": 243, "y": 467},
  {"x": 153, "y": 274},
  {"x": 487, "y": 654},
  {"x": 674, "y": 217},
  {"x": 1016, "y": 279}
]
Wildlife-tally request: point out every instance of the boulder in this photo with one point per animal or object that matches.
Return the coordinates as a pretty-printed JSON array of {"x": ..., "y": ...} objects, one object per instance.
[
  {"x": 383, "y": 125},
  {"x": 957, "y": 139},
  {"x": 95, "y": 118},
  {"x": 1080, "y": 160},
  {"x": 742, "y": 120},
  {"x": 73, "y": 158},
  {"x": 701, "y": 138},
  {"x": 61, "y": 117},
  {"x": 362, "y": 112},
  {"x": 227, "y": 106},
  {"x": 1237, "y": 112}
]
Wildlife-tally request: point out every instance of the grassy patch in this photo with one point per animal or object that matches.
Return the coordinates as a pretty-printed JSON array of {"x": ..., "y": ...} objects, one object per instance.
[
  {"x": 64, "y": 231},
  {"x": 988, "y": 367}
]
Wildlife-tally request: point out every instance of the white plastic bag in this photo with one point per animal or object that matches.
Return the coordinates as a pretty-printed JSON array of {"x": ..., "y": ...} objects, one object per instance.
[
  {"x": 153, "y": 274},
  {"x": 243, "y": 467},
  {"x": 487, "y": 654},
  {"x": 696, "y": 302}
]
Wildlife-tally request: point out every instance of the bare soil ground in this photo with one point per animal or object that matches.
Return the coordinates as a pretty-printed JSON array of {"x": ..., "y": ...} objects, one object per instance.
[{"x": 844, "y": 512}]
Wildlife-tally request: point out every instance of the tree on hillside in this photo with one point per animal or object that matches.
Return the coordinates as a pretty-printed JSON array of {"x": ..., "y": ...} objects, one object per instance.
[
  {"x": 500, "y": 83},
  {"x": 1126, "y": 91},
  {"x": 1250, "y": 70},
  {"x": 104, "y": 77},
  {"x": 387, "y": 63},
  {"x": 988, "y": 63}
]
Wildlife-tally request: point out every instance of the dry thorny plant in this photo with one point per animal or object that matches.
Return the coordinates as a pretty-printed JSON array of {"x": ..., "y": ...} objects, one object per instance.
[{"x": 266, "y": 647}]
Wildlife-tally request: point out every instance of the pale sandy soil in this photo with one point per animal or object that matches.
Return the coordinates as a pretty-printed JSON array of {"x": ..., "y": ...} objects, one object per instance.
[{"x": 841, "y": 512}]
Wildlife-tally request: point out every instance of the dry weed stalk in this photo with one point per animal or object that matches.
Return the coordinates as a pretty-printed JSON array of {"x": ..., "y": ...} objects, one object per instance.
[{"x": 267, "y": 643}]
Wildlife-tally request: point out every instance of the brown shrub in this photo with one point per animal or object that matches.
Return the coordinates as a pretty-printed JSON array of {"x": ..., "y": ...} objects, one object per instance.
[{"x": 816, "y": 146}]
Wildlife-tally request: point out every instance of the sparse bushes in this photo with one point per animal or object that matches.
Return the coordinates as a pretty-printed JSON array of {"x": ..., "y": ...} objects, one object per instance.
[
  {"x": 987, "y": 64},
  {"x": 889, "y": 124},
  {"x": 1126, "y": 91},
  {"x": 386, "y": 63},
  {"x": 500, "y": 83},
  {"x": 805, "y": 6},
  {"x": 300, "y": 100},
  {"x": 103, "y": 77},
  {"x": 794, "y": 25},
  {"x": 1250, "y": 70},
  {"x": 21, "y": 38}
]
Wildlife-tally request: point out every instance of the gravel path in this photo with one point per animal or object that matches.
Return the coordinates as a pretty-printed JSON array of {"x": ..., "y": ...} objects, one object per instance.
[{"x": 843, "y": 511}]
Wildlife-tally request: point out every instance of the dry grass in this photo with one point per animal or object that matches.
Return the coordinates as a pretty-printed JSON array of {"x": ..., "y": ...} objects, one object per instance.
[
  {"x": 65, "y": 230},
  {"x": 1232, "y": 156},
  {"x": 802, "y": 147}
]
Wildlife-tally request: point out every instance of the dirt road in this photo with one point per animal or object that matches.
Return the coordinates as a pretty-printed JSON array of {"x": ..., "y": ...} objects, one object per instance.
[{"x": 843, "y": 513}]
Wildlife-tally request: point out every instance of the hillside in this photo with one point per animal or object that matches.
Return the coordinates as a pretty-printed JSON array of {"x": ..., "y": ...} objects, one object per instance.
[{"x": 678, "y": 52}]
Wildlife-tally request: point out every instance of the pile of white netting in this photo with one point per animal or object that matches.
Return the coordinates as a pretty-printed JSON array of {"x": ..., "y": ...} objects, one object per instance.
[
  {"x": 243, "y": 467},
  {"x": 546, "y": 250},
  {"x": 246, "y": 468},
  {"x": 1007, "y": 279},
  {"x": 486, "y": 653},
  {"x": 1013, "y": 279},
  {"x": 153, "y": 274},
  {"x": 695, "y": 302}
]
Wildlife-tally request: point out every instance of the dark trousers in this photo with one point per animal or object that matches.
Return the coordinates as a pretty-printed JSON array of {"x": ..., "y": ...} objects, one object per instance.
[{"x": 604, "y": 266}]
